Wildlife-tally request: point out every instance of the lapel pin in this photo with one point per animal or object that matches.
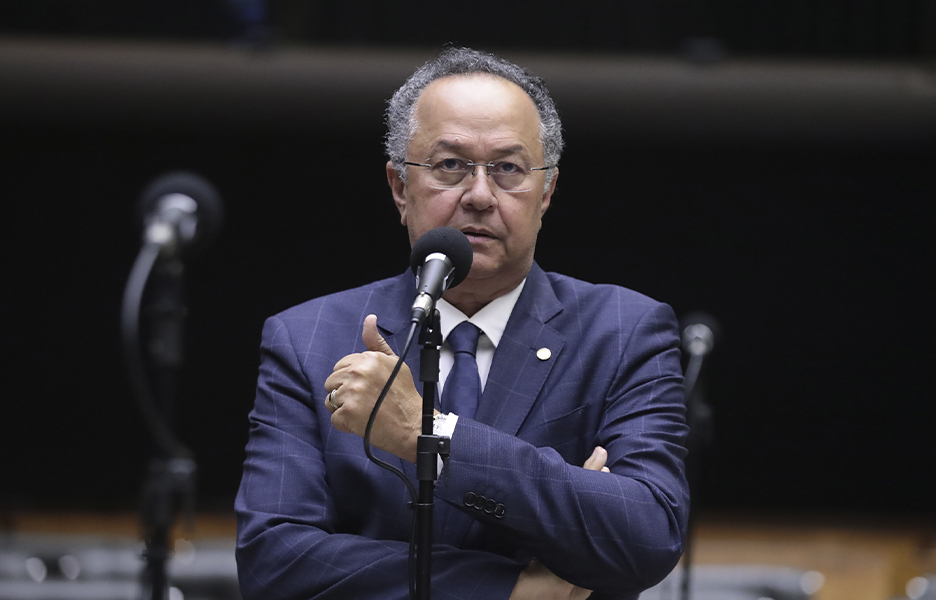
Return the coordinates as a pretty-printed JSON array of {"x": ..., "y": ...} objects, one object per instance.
[{"x": 543, "y": 354}]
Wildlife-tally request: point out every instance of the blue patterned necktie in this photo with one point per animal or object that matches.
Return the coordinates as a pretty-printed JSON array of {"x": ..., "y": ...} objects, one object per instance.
[{"x": 463, "y": 385}]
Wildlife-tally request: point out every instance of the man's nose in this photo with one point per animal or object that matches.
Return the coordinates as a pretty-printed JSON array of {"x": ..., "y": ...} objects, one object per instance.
[{"x": 480, "y": 192}]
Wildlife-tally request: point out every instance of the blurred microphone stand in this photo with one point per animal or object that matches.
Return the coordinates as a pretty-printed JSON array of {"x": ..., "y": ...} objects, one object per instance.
[
  {"x": 177, "y": 211},
  {"x": 170, "y": 482},
  {"x": 698, "y": 340}
]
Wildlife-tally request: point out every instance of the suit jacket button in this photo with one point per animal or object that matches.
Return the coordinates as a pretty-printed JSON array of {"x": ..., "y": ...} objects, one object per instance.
[
  {"x": 499, "y": 510},
  {"x": 489, "y": 506},
  {"x": 470, "y": 498}
]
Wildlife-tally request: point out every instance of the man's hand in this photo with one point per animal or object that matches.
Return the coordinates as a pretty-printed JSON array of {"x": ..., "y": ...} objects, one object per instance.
[
  {"x": 357, "y": 381},
  {"x": 596, "y": 462},
  {"x": 536, "y": 582}
]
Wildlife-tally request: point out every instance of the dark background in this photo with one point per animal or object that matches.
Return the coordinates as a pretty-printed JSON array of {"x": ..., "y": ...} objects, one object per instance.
[{"x": 770, "y": 163}]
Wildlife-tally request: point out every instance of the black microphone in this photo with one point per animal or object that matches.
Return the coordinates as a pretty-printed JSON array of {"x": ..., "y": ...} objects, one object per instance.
[
  {"x": 180, "y": 212},
  {"x": 441, "y": 259}
]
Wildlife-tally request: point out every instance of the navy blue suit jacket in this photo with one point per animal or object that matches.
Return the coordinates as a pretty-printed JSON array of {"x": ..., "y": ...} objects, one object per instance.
[{"x": 316, "y": 519}]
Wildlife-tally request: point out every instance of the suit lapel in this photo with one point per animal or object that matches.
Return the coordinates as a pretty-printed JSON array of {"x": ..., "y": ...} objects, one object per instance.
[
  {"x": 526, "y": 354},
  {"x": 391, "y": 305}
]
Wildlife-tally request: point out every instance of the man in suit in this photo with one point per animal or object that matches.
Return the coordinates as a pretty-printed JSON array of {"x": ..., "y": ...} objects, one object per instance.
[{"x": 566, "y": 476}]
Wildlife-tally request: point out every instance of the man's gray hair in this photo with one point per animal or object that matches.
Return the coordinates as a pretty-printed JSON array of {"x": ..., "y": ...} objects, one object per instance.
[{"x": 401, "y": 120}]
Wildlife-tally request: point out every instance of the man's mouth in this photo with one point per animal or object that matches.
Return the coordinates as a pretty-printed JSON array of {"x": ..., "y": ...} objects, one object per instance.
[{"x": 477, "y": 235}]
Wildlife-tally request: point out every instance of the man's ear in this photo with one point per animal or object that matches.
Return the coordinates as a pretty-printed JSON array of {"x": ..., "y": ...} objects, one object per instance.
[
  {"x": 398, "y": 188},
  {"x": 547, "y": 195}
]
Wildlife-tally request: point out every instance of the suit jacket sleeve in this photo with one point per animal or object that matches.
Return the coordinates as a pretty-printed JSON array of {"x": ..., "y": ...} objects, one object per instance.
[
  {"x": 291, "y": 541},
  {"x": 618, "y": 386}
]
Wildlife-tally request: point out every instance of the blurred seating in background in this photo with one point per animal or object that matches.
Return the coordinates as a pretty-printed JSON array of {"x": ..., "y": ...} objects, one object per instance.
[{"x": 82, "y": 567}]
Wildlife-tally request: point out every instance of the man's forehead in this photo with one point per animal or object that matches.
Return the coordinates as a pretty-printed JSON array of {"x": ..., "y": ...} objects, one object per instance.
[
  {"x": 475, "y": 102},
  {"x": 476, "y": 91}
]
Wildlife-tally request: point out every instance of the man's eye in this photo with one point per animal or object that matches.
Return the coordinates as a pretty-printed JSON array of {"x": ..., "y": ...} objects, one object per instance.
[
  {"x": 450, "y": 164},
  {"x": 508, "y": 168}
]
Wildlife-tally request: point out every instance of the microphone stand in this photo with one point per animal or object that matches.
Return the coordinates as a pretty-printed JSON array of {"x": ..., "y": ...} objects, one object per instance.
[
  {"x": 428, "y": 449},
  {"x": 699, "y": 418},
  {"x": 170, "y": 480}
]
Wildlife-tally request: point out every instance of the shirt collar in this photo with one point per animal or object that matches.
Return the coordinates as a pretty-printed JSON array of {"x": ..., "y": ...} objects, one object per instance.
[{"x": 492, "y": 319}]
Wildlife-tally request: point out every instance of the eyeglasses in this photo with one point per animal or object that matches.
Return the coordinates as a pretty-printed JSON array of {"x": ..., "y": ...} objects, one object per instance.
[{"x": 450, "y": 173}]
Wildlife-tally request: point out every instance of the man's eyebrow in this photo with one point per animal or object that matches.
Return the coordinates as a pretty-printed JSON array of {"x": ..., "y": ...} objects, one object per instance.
[
  {"x": 448, "y": 146},
  {"x": 459, "y": 147}
]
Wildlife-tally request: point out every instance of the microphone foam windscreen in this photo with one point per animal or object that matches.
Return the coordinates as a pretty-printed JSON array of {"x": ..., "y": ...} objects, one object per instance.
[
  {"x": 210, "y": 210},
  {"x": 450, "y": 242}
]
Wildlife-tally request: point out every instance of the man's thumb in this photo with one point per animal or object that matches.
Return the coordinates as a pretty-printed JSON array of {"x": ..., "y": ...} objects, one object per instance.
[{"x": 372, "y": 338}]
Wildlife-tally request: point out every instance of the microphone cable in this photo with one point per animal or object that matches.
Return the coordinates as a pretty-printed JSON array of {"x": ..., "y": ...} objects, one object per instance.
[
  {"x": 380, "y": 463},
  {"x": 130, "y": 328}
]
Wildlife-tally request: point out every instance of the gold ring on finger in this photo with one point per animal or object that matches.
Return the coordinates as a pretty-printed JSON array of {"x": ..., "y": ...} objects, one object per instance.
[{"x": 331, "y": 400}]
